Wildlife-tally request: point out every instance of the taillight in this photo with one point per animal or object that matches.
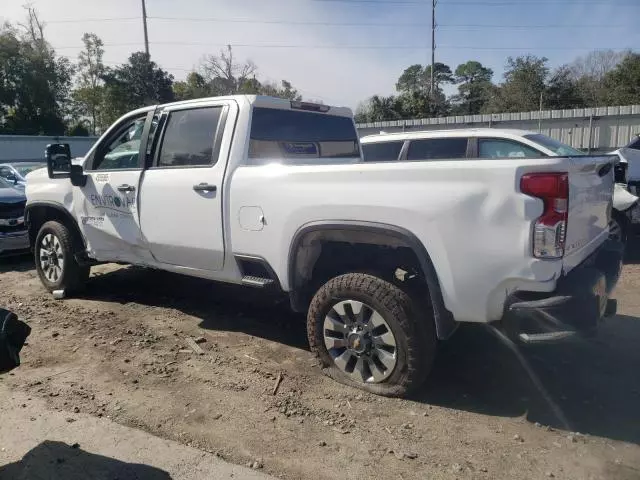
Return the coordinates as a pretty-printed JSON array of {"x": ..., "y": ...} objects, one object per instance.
[{"x": 550, "y": 229}]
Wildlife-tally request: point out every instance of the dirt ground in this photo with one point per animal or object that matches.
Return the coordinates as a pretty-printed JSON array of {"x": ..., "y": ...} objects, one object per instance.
[{"x": 120, "y": 352}]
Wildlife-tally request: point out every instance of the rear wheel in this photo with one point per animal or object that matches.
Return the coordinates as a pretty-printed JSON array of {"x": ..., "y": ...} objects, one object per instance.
[
  {"x": 55, "y": 262},
  {"x": 618, "y": 227},
  {"x": 368, "y": 333}
]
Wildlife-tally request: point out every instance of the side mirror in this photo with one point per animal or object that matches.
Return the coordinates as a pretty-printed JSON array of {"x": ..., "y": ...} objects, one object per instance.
[
  {"x": 12, "y": 178},
  {"x": 58, "y": 160}
]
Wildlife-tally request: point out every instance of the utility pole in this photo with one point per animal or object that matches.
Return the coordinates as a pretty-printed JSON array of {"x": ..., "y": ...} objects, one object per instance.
[
  {"x": 540, "y": 114},
  {"x": 432, "y": 90},
  {"x": 144, "y": 23}
]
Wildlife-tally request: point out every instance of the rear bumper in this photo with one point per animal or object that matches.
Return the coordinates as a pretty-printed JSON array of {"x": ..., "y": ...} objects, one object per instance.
[
  {"x": 14, "y": 242},
  {"x": 580, "y": 301}
]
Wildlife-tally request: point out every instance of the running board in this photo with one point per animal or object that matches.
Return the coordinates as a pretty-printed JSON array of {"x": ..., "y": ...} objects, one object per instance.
[
  {"x": 545, "y": 337},
  {"x": 257, "y": 282}
]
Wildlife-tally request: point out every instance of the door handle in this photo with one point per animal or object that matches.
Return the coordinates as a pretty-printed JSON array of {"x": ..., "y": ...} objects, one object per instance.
[
  {"x": 126, "y": 188},
  {"x": 204, "y": 187}
]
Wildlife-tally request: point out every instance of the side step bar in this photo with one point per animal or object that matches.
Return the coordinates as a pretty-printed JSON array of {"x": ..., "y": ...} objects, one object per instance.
[
  {"x": 257, "y": 282},
  {"x": 546, "y": 337}
]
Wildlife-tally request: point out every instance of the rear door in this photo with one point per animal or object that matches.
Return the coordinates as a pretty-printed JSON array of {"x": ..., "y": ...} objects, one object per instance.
[
  {"x": 181, "y": 193},
  {"x": 591, "y": 183}
]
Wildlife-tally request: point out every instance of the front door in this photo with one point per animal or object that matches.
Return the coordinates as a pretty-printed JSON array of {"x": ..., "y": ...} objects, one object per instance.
[
  {"x": 107, "y": 206},
  {"x": 181, "y": 192}
]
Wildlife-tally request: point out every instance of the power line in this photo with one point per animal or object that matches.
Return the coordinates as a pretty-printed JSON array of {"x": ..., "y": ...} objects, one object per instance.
[
  {"x": 484, "y": 3},
  {"x": 85, "y": 20},
  {"x": 289, "y": 22},
  {"x": 343, "y": 24},
  {"x": 602, "y": 25},
  {"x": 351, "y": 47}
]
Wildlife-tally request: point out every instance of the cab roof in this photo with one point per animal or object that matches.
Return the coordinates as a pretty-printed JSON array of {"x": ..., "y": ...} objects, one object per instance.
[{"x": 449, "y": 133}]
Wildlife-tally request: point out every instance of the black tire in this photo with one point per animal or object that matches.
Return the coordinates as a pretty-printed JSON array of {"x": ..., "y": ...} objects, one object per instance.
[
  {"x": 619, "y": 221},
  {"x": 414, "y": 331},
  {"x": 72, "y": 276}
]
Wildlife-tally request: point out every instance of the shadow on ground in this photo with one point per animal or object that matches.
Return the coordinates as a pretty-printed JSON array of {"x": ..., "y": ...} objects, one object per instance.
[
  {"x": 58, "y": 461},
  {"x": 16, "y": 263},
  {"x": 219, "y": 306},
  {"x": 594, "y": 383}
]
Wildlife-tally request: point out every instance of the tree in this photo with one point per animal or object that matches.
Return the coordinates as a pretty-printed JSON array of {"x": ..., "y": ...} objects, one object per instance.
[
  {"x": 562, "y": 90},
  {"x": 623, "y": 82},
  {"x": 524, "y": 82},
  {"x": 88, "y": 96},
  {"x": 34, "y": 82},
  {"x": 417, "y": 78},
  {"x": 589, "y": 73},
  {"x": 195, "y": 86},
  {"x": 78, "y": 129},
  {"x": 474, "y": 89},
  {"x": 416, "y": 98},
  {"x": 225, "y": 76},
  {"x": 285, "y": 90},
  {"x": 378, "y": 109},
  {"x": 137, "y": 83}
]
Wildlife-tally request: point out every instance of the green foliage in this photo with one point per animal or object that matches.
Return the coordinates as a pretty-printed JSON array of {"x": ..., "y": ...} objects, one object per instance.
[
  {"x": 34, "y": 83},
  {"x": 88, "y": 97},
  {"x": 79, "y": 129},
  {"x": 222, "y": 75},
  {"x": 474, "y": 88},
  {"x": 623, "y": 82},
  {"x": 134, "y": 84}
]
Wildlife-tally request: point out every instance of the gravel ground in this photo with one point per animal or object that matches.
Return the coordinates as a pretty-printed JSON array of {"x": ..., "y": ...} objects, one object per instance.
[{"x": 123, "y": 351}]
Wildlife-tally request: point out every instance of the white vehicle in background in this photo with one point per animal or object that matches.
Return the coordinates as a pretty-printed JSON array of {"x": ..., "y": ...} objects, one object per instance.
[
  {"x": 385, "y": 259},
  {"x": 491, "y": 143},
  {"x": 628, "y": 172}
]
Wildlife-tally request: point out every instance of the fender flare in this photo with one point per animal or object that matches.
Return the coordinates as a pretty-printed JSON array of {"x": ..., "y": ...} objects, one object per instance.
[{"x": 444, "y": 321}]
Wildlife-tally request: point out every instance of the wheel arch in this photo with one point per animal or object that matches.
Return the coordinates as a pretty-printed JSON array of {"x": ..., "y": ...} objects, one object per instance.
[
  {"x": 38, "y": 213},
  {"x": 302, "y": 259}
]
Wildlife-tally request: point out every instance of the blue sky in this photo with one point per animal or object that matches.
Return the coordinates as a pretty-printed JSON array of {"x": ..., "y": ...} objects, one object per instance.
[{"x": 485, "y": 30}]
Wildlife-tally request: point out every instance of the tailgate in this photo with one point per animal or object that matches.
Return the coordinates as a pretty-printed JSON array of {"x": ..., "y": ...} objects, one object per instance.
[{"x": 591, "y": 181}]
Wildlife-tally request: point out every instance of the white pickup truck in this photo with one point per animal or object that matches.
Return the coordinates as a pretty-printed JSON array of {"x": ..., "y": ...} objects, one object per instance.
[{"x": 385, "y": 258}]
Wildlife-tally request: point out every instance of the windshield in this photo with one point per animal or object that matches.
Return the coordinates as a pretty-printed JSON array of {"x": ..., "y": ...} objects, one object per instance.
[
  {"x": 4, "y": 183},
  {"x": 559, "y": 148},
  {"x": 24, "y": 169}
]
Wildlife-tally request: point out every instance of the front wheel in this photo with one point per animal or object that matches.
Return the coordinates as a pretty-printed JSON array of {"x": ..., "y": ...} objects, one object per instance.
[
  {"x": 55, "y": 262},
  {"x": 368, "y": 333}
]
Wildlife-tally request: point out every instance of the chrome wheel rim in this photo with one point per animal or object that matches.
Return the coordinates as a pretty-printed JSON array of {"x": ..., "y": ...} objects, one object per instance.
[
  {"x": 360, "y": 342},
  {"x": 615, "y": 231},
  {"x": 51, "y": 257}
]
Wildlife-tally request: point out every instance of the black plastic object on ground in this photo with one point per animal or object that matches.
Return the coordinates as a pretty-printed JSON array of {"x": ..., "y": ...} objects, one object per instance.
[{"x": 13, "y": 334}]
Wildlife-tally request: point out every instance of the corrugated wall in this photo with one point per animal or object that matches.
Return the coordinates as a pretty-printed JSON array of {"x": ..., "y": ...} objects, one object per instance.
[
  {"x": 603, "y": 128},
  {"x": 15, "y": 148}
]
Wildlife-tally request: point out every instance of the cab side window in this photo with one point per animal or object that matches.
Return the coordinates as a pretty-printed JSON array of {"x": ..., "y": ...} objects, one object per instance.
[
  {"x": 502, "y": 148},
  {"x": 437, "y": 148},
  {"x": 121, "y": 150}
]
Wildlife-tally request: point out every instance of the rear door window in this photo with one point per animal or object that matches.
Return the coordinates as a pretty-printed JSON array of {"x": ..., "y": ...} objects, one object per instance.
[
  {"x": 501, "y": 148},
  {"x": 382, "y": 151},
  {"x": 290, "y": 134},
  {"x": 437, "y": 148},
  {"x": 189, "y": 138}
]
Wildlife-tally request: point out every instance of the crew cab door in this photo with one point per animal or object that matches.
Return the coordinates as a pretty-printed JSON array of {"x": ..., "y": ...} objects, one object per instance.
[
  {"x": 181, "y": 193},
  {"x": 107, "y": 206}
]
